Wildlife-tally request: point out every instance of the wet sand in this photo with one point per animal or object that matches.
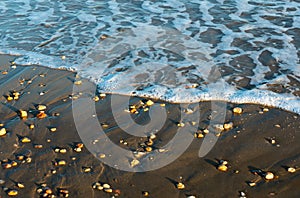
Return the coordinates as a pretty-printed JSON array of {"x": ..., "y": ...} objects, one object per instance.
[{"x": 247, "y": 147}]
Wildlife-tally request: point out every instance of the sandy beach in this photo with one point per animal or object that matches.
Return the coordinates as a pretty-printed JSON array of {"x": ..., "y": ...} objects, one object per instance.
[{"x": 41, "y": 155}]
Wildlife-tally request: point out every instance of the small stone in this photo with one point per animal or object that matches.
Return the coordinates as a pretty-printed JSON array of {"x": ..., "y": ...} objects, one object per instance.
[
  {"x": 265, "y": 109},
  {"x": 134, "y": 162},
  {"x": 108, "y": 190},
  {"x": 148, "y": 149},
  {"x": 269, "y": 175},
  {"x": 53, "y": 129},
  {"x": 145, "y": 193},
  {"x": 106, "y": 186},
  {"x": 102, "y": 155},
  {"x": 149, "y": 103},
  {"x": 206, "y": 131},
  {"x": 2, "y": 132},
  {"x": 61, "y": 162},
  {"x": 291, "y": 170},
  {"x": 149, "y": 142},
  {"x": 20, "y": 185},
  {"x": 79, "y": 82},
  {"x": 31, "y": 126},
  {"x": 41, "y": 107},
  {"x": 252, "y": 184},
  {"x": 38, "y": 146},
  {"x": 63, "y": 57},
  {"x": 228, "y": 126},
  {"x": 222, "y": 168},
  {"x": 63, "y": 150},
  {"x": 2, "y": 182},
  {"x": 102, "y": 95},
  {"x": 96, "y": 98},
  {"x": 41, "y": 115},
  {"x": 181, "y": 124},
  {"x": 78, "y": 150},
  {"x": 12, "y": 193},
  {"x": 23, "y": 114},
  {"x": 180, "y": 186},
  {"x": 86, "y": 169},
  {"x": 277, "y": 125},
  {"x": 9, "y": 98},
  {"x": 25, "y": 140},
  {"x": 237, "y": 110}
]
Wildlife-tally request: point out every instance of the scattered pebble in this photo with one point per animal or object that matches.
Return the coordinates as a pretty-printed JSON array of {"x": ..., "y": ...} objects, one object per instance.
[
  {"x": 145, "y": 193},
  {"x": 269, "y": 175},
  {"x": 41, "y": 107},
  {"x": 237, "y": 110},
  {"x": 291, "y": 170},
  {"x": 223, "y": 166},
  {"x": 20, "y": 185},
  {"x": 41, "y": 115},
  {"x": 25, "y": 140},
  {"x": 149, "y": 103},
  {"x": 180, "y": 185},
  {"x": 181, "y": 124},
  {"x": 53, "y": 129},
  {"x": 31, "y": 126},
  {"x": 2, "y": 132},
  {"x": 228, "y": 126},
  {"x": 251, "y": 184},
  {"x": 134, "y": 162},
  {"x": 23, "y": 114},
  {"x": 12, "y": 192},
  {"x": 63, "y": 193}
]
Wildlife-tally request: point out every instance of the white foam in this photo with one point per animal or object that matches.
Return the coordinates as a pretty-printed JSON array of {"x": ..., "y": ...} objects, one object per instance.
[{"x": 47, "y": 30}]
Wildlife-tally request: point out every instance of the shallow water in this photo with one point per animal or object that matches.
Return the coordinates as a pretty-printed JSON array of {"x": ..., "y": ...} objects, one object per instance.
[{"x": 177, "y": 50}]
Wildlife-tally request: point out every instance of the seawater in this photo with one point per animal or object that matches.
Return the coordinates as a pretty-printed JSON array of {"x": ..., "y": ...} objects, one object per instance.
[{"x": 242, "y": 51}]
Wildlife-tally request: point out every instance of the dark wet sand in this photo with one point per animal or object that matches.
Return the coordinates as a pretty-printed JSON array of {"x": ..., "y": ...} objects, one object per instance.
[{"x": 246, "y": 150}]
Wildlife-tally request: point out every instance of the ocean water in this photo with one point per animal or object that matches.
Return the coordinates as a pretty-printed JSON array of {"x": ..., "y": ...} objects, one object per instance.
[{"x": 242, "y": 51}]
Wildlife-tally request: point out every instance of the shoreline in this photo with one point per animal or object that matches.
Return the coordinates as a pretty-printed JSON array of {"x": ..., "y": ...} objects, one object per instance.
[{"x": 247, "y": 146}]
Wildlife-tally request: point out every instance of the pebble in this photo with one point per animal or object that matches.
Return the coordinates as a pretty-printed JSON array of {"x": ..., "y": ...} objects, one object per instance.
[
  {"x": 228, "y": 126},
  {"x": 20, "y": 185},
  {"x": 12, "y": 193},
  {"x": 2, "y": 182},
  {"x": 41, "y": 107},
  {"x": 149, "y": 103},
  {"x": 41, "y": 115},
  {"x": 181, "y": 124},
  {"x": 269, "y": 175},
  {"x": 79, "y": 82},
  {"x": 108, "y": 190},
  {"x": 25, "y": 140},
  {"x": 86, "y": 169},
  {"x": 180, "y": 186},
  {"x": 148, "y": 149},
  {"x": 53, "y": 129},
  {"x": 63, "y": 192},
  {"x": 252, "y": 184},
  {"x": 106, "y": 186},
  {"x": 222, "y": 167},
  {"x": 291, "y": 170},
  {"x": 145, "y": 193},
  {"x": 2, "y": 132},
  {"x": 31, "y": 126},
  {"x": 61, "y": 163},
  {"x": 23, "y": 114},
  {"x": 237, "y": 110},
  {"x": 134, "y": 162},
  {"x": 102, "y": 155}
]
